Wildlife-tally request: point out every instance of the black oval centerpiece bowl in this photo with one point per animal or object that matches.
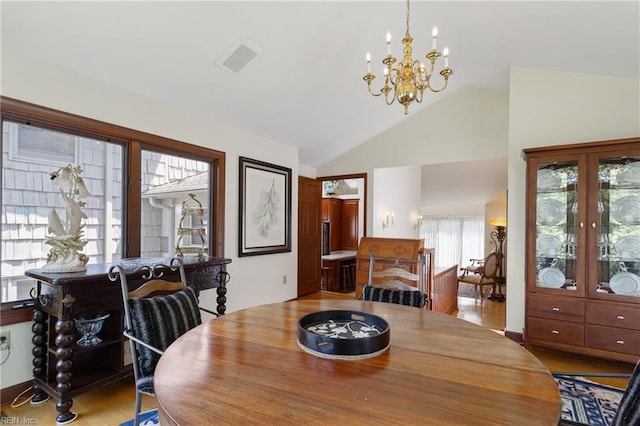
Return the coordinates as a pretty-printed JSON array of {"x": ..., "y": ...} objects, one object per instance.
[{"x": 340, "y": 334}]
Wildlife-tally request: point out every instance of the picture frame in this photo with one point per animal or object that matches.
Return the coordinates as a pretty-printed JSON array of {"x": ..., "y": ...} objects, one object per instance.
[{"x": 264, "y": 208}]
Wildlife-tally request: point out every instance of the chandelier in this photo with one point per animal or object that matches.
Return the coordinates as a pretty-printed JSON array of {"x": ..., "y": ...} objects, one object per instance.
[{"x": 407, "y": 81}]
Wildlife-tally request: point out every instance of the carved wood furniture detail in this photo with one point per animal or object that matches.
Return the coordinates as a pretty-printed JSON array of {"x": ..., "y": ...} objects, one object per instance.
[{"x": 63, "y": 369}]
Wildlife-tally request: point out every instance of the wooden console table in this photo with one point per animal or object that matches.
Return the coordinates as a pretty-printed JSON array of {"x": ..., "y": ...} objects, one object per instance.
[{"x": 64, "y": 369}]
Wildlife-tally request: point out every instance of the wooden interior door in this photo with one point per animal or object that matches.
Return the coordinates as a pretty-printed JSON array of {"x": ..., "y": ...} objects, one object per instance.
[
  {"x": 350, "y": 224},
  {"x": 309, "y": 235}
]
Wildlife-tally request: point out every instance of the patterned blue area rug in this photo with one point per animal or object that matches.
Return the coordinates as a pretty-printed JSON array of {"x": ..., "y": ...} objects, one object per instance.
[
  {"x": 588, "y": 402},
  {"x": 147, "y": 418}
]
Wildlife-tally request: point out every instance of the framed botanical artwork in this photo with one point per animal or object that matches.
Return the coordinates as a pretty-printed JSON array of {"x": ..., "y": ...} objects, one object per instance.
[{"x": 265, "y": 208}]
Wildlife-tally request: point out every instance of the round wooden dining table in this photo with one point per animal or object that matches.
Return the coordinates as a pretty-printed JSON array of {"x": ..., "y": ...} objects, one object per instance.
[{"x": 246, "y": 367}]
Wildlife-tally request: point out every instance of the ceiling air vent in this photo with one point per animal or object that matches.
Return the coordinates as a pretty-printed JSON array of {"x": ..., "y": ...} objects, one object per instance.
[{"x": 239, "y": 56}]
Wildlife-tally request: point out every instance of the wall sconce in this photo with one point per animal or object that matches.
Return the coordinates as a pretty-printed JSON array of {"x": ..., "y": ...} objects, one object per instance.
[
  {"x": 388, "y": 221},
  {"x": 417, "y": 224}
]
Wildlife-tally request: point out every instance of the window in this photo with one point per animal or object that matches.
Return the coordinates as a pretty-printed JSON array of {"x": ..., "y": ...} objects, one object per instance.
[
  {"x": 456, "y": 239},
  {"x": 167, "y": 181},
  {"x": 121, "y": 167},
  {"x": 25, "y": 142},
  {"x": 29, "y": 196}
]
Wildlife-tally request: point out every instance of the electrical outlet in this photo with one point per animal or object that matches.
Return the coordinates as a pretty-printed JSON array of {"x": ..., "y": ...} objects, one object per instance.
[
  {"x": 5, "y": 339},
  {"x": 284, "y": 279}
]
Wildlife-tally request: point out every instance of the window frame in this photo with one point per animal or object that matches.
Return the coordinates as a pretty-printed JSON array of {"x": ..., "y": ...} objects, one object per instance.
[{"x": 134, "y": 142}]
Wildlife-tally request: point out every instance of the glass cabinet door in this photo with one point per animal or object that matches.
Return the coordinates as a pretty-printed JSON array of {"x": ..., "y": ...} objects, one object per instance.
[
  {"x": 558, "y": 232},
  {"x": 617, "y": 223}
]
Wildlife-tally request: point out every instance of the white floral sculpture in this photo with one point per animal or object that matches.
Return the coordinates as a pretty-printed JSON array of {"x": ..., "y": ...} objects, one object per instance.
[{"x": 66, "y": 241}]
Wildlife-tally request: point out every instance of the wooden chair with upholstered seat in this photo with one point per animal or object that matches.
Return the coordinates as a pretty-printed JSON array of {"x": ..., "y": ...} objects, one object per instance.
[
  {"x": 157, "y": 312},
  {"x": 481, "y": 272},
  {"x": 396, "y": 283}
]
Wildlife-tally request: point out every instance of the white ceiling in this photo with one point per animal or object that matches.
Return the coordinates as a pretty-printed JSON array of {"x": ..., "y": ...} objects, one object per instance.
[{"x": 306, "y": 87}]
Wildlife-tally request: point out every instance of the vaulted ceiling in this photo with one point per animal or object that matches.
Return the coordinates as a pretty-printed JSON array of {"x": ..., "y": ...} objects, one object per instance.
[{"x": 305, "y": 88}]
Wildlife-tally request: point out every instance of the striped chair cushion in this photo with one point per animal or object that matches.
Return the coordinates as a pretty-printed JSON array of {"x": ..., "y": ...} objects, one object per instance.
[
  {"x": 159, "y": 321},
  {"x": 401, "y": 297}
]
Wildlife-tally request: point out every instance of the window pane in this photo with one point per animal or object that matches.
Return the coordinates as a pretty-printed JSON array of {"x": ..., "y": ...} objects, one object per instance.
[
  {"x": 30, "y": 155},
  {"x": 167, "y": 181}
]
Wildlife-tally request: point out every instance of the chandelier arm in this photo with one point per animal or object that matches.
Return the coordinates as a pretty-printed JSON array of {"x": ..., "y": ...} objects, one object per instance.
[
  {"x": 371, "y": 91},
  {"x": 392, "y": 75},
  {"x": 421, "y": 73},
  {"x": 446, "y": 82},
  {"x": 386, "y": 95},
  {"x": 420, "y": 93},
  {"x": 369, "y": 78}
]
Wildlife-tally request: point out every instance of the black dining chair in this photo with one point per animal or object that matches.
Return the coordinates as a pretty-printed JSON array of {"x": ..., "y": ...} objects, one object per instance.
[
  {"x": 157, "y": 312},
  {"x": 628, "y": 412}
]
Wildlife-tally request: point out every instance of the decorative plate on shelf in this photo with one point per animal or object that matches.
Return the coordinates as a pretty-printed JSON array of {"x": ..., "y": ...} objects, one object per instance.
[
  {"x": 629, "y": 175},
  {"x": 551, "y": 277},
  {"x": 628, "y": 246},
  {"x": 550, "y": 211},
  {"x": 626, "y": 210},
  {"x": 625, "y": 283},
  {"x": 548, "y": 180},
  {"x": 547, "y": 245}
]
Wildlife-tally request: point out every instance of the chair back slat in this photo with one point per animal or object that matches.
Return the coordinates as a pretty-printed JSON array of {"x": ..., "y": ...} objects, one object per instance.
[{"x": 156, "y": 286}]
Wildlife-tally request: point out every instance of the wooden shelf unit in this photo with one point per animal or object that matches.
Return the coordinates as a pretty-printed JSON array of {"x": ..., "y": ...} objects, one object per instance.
[{"x": 573, "y": 192}]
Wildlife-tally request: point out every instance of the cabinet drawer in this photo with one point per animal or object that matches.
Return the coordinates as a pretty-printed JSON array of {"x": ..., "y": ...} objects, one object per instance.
[
  {"x": 567, "y": 333},
  {"x": 614, "y": 315},
  {"x": 560, "y": 308},
  {"x": 612, "y": 339}
]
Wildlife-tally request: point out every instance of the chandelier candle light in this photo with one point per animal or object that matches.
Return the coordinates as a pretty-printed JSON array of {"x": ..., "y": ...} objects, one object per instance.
[{"x": 408, "y": 80}]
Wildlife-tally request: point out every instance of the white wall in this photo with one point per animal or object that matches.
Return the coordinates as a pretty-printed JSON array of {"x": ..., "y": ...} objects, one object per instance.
[
  {"x": 397, "y": 191},
  {"x": 254, "y": 280},
  {"x": 470, "y": 124},
  {"x": 554, "y": 108}
]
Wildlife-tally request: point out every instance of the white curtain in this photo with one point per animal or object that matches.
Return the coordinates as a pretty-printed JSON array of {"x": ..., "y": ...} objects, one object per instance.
[{"x": 456, "y": 239}]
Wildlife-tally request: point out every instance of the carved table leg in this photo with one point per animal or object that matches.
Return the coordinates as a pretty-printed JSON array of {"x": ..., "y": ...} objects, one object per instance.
[
  {"x": 39, "y": 352},
  {"x": 64, "y": 364},
  {"x": 221, "y": 290},
  {"x": 221, "y": 299}
]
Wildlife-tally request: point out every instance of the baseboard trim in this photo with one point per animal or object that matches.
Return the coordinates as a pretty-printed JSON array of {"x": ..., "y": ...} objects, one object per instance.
[
  {"x": 516, "y": 337},
  {"x": 8, "y": 394}
]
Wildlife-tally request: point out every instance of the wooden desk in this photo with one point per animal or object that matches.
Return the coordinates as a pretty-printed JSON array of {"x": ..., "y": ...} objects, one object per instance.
[
  {"x": 335, "y": 260},
  {"x": 247, "y": 368}
]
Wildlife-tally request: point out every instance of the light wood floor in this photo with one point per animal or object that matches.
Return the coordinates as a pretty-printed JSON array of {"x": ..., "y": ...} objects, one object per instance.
[{"x": 112, "y": 404}]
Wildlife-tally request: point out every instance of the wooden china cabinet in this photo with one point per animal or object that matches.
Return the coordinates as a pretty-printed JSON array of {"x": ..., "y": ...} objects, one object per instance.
[{"x": 583, "y": 248}]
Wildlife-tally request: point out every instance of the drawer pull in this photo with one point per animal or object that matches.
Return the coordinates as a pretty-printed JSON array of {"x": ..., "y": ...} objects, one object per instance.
[
  {"x": 620, "y": 317},
  {"x": 555, "y": 332},
  {"x": 555, "y": 309},
  {"x": 620, "y": 342}
]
